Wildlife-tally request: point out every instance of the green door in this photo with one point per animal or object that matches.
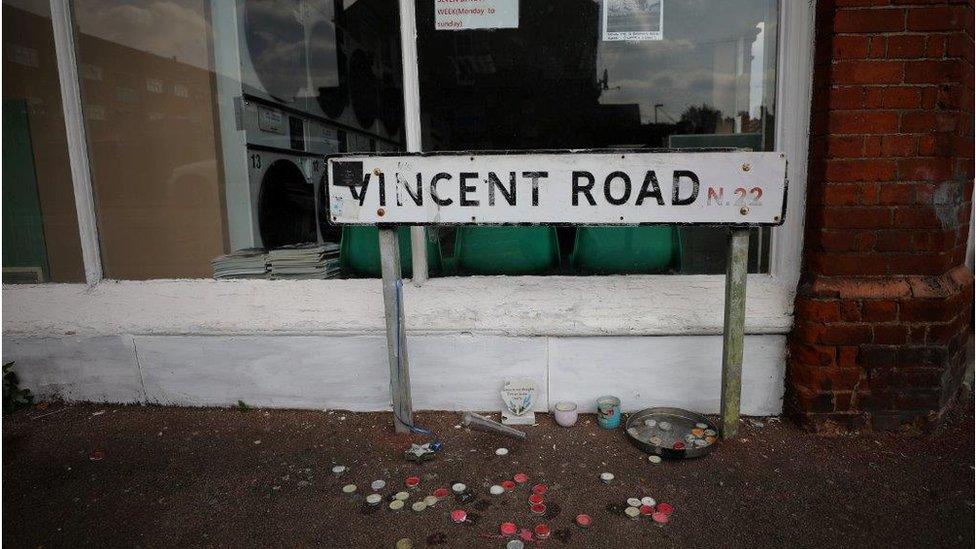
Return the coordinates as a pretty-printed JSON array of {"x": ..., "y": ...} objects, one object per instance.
[{"x": 24, "y": 253}]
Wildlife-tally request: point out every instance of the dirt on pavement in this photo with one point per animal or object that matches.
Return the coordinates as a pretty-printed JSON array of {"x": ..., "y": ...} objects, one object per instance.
[{"x": 263, "y": 478}]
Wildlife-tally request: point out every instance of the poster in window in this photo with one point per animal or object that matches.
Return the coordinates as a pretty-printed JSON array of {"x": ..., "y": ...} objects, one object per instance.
[
  {"x": 633, "y": 20},
  {"x": 476, "y": 14}
]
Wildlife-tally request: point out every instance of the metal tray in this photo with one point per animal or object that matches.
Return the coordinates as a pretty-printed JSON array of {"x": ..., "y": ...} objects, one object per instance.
[{"x": 682, "y": 422}]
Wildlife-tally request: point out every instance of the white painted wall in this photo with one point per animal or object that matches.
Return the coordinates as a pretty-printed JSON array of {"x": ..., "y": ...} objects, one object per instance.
[{"x": 448, "y": 372}]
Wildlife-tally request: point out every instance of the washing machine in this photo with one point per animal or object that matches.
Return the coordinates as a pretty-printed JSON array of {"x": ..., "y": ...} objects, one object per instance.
[
  {"x": 273, "y": 51},
  {"x": 286, "y": 165},
  {"x": 334, "y": 60}
]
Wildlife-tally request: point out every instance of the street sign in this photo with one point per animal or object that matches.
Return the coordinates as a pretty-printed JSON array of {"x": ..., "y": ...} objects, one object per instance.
[{"x": 563, "y": 187}]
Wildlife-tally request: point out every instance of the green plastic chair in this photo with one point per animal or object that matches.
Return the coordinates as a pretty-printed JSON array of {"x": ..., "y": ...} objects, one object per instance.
[
  {"x": 359, "y": 252},
  {"x": 506, "y": 250},
  {"x": 626, "y": 250}
]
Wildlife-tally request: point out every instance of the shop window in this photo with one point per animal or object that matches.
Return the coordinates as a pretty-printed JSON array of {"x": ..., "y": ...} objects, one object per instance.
[
  {"x": 40, "y": 224},
  {"x": 561, "y": 79},
  {"x": 181, "y": 180}
]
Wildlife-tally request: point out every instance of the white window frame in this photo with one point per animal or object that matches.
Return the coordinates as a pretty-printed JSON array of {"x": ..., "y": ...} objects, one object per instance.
[{"x": 553, "y": 306}]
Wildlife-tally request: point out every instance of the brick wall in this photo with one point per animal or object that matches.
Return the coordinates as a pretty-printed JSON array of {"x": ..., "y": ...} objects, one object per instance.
[{"x": 884, "y": 307}]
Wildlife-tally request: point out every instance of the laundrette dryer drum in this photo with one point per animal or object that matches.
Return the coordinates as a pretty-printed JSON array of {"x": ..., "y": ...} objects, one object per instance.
[{"x": 284, "y": 190}]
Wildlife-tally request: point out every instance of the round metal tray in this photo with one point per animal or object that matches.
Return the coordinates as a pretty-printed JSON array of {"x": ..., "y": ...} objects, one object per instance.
[{"x": 682, "y": 421}]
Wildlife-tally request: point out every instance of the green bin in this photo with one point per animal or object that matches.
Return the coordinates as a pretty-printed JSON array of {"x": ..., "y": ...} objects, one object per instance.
[
  {"x": 506, "y": 250},
  {"x": 626, "y": 250},
  {"x": 359, "y": 252}
]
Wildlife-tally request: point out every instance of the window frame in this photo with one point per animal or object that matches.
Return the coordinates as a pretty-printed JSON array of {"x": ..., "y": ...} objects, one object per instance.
[{"x": 772, "y": 309}]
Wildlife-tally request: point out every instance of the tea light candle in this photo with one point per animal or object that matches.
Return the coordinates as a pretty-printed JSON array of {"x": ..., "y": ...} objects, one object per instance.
[{"x": 565, "y": 413}]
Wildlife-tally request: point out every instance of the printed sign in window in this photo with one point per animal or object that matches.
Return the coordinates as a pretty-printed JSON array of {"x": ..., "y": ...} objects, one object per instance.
[
  {"x": 476, "y": 14},
  {"x": 633, "y": 20}
]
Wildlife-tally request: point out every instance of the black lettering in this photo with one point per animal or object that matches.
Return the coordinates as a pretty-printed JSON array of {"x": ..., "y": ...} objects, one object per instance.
[
  {"x": 418, "y": 198},
  {"x": 535, "y": 176},
  {"x": 361, "y": 195},
  {"x": 382, "y": 189},
  {"x": 493, "y": 182},
  {"x": 433, "y": 189},
  {"x": 655, "y": 192},
  {"x": 465, "y": 188},
  {"x": 586, "y": 189},
  {"x": 675, "y": 186},
  {"x": 606, "y": 188}
]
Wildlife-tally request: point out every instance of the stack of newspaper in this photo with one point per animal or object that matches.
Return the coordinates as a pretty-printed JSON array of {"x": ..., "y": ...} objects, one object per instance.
[
  {"x": 301, "y": 261},
  {"x": 246, "y": 263}
]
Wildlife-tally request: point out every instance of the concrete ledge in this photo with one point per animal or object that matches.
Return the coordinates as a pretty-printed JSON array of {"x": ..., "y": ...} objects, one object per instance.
[
  {"x": 513, "y": 306},
  {"x": 448, "y": 371}
]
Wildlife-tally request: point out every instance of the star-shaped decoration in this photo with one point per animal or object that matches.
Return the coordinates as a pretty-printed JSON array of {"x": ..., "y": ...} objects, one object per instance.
[{"x": 419, "y": 452}]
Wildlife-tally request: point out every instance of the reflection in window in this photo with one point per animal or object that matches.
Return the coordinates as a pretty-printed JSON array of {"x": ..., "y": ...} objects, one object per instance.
[
  {"x": 288, "y": 82},
  {"x": 40, "y": 225},
  {"x": 554, "y": 83}
]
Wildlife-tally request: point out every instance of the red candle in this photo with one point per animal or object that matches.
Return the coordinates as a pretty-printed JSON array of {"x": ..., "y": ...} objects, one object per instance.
[
  {"x": 665, "y": 508},
  {"x": 508, "y": 485},
  {"x": 508, "y": 528},
  {"x": 584, "y": 520},
  {"x": 535, "y": 498},
  {"x": 539, "y": 489},
  {"x": 542, "y": 531},
  {"x": 458, "y": 515},
  {"x": 441, "y": 493},
  {"x": 412, "y": 482},
  {"x": 521, "y": 478},
  {"x": 538, "y": 508}
]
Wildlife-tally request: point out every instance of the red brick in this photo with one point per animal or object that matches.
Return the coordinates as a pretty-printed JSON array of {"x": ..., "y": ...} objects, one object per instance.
[
  {"x": 847, "y": 264},
  {"x": 846, "y": 334},
  {"x": 880, "y": 311},
  {"x": 817, "y": 310},
  {"x": 850, "y": 311},
  {"x": 851, "y": 47},
  {"x": 917, "y": 263},
  {"x": 868, "y": 21},
  {"x": 814, "y": 355},
  {"x": 902, "y": 97},
  {"x": 873, "y": 97},
  {"x": 862, "y": 122},
  {"x": 898, "y": 145},
  {"x": 930, "y": 144},
  {"x": 904, "y": 46},
  {"x": 872, "y": 146},
  {"x": 847, "y": 357},
  {"x": 846, "y": 97},
  {"x": 927, "y": 310},
  {"x": 923, "y": 169},
  {"x": 845, "y": 146},
  {"x": 861, "y": 170},
  {"x": 904, "y": 378},
  {"x": 896, "y": 194},
  {"x": 926, "y": 122},
  {"x": 873, "y": 72},
  {"x": 939, "y": 18},
  {"x": 894, "y": 334},
  {"x": 857, "y": 194},
  {"x": 879, "y": 47},
  {"x": 857, "y": 218},
  {"x": 935, "y": 72},
  {"x": 959, "y": 45},
  {"x": 935, "y": 46}
]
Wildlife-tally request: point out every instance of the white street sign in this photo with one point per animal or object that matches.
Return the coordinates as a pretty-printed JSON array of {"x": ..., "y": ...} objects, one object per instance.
[{"x": 571, "y": 187}]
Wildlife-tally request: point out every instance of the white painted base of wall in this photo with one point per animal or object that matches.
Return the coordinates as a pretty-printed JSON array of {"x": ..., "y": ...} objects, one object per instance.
[{"x": 448, "y": 371}]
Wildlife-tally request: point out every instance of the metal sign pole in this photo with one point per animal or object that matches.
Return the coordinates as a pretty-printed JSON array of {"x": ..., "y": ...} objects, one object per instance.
[
  {"x": 411, "y": 116},
  {"x": 733, "y": 331},
  {"x": 396, "y": 337}
]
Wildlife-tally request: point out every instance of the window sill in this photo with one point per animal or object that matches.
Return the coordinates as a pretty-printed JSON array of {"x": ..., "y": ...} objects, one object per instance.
[{"x": 513, "y": 306}]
